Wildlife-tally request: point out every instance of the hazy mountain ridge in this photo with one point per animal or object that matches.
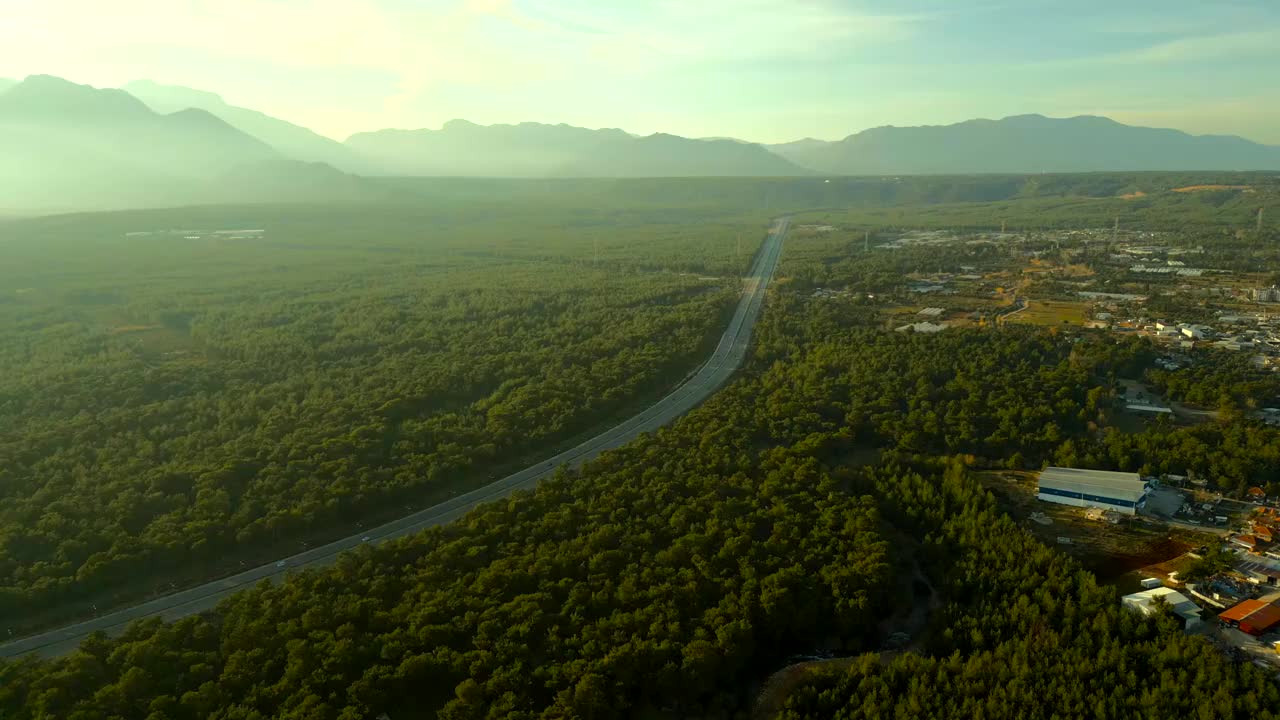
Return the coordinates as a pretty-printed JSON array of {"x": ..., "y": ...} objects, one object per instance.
[
  {"x": 70, "y": 146},
  {"x": 662, "y": 155},
  {"x": 64, "y": 145},
  {"x": 1027, "y": 144},
  {"x": 462, "y": 148},
  {"x": 291, "y": 140}
]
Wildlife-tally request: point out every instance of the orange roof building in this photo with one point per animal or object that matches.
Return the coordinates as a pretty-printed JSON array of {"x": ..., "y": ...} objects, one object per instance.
[
  {"x": 1247, "y": 541},
  {"x": 1252, "y": 616}
]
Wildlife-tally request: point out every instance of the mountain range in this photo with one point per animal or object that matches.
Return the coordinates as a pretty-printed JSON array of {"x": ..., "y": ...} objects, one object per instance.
[
  {"x": 64, "y": 145},
  {"x": 1027, "y": 144},
  {"x": 69, "y": 146},
  {"x": 291, "y": 140},
  {"x": 462, "y": 148}
]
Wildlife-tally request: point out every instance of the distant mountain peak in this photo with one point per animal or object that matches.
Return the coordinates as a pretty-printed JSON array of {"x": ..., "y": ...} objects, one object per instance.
[
  {"x": 287, "y": 138},
  {"x": 459, "y": 124},
  {"x": 530, "y": 149},
  {"x": 197, "y": 98},
  {"x": 53, "y": 96},
  {"x": 1028, "y": 143}
]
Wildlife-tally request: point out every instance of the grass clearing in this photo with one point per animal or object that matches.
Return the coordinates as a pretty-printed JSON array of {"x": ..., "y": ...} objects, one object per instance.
[{"x": 1051, "y": 313}]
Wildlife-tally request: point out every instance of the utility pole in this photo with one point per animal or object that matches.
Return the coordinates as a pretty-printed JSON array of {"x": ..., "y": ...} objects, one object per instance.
[
  {"x": 597, "y": 245},
  {"x": 866, "y": 242},
  {"x": 1115, "y": 231},
  {"x": 1260, "y": 221},
  {"x": 1003, "y": 225}
]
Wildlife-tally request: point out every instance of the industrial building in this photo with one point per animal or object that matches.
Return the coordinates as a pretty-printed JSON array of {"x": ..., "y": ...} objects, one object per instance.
[
  {"x": 1118, "y": 491},
  {"x": 1145, "y": 603},
  {"x": 1252, "y": 616}
]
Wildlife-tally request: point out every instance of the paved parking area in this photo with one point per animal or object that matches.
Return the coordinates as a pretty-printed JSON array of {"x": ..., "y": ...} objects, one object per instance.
[{"x": 1164, "y": 502}]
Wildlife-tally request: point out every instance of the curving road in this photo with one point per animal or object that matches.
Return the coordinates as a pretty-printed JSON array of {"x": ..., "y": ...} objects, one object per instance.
[{"x": 728, "y": 355}]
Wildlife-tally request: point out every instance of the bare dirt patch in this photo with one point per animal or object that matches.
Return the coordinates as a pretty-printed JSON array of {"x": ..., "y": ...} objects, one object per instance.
[
  {"x": 1109, "y": 550},
  {"x": 1199, "y": 188}
]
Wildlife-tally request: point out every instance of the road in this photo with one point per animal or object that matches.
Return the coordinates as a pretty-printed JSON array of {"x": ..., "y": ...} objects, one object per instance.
[{"x": 726, "y": 358}]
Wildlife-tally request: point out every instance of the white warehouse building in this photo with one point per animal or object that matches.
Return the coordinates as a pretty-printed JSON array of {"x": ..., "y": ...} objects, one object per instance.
[
  {"x": 1119, "y": 491},
  {"x": 1145, "y": 603}
]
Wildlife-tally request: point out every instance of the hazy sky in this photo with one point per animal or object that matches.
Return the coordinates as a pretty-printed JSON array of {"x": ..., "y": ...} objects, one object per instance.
[{"x": 765, "y": 70}]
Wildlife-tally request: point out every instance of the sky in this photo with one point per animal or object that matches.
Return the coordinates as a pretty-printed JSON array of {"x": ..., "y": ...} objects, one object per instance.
[{"x": 761, "y": 70}]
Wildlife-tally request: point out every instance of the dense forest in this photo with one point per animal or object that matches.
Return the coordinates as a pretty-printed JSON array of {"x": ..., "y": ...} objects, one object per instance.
[
  {"x": 671, "y": 577},
  {"x": 1219, "y": 379},
  {"x": 171, "y": 401}
]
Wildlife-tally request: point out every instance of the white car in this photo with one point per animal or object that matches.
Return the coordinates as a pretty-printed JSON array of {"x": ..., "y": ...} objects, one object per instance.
[
  {"x": 364, "y": 539},
  {"x": 280, "y": 564}
]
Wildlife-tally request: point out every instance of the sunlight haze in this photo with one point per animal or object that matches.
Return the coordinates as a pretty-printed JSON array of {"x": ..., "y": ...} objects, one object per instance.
[{"x": 712, "y": 67}]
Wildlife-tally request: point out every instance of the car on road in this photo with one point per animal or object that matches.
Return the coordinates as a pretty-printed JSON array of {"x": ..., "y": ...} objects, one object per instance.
[
  {"x": 364, "y": 539},
  {"x": 280, "y": 564}
]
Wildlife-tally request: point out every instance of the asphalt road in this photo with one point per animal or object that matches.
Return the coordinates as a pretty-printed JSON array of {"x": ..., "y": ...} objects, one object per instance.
[{"x": 726, "y": 358}]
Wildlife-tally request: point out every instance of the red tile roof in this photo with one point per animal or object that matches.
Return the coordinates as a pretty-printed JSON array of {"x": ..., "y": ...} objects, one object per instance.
[{"x": 1253, "y": 615}]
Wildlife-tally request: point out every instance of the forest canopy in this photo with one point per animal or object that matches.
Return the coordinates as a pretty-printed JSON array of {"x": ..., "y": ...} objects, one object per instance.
[{"x": 810, "y": 507}]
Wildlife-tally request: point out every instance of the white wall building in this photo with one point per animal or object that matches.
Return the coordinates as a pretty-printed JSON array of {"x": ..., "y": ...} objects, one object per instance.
[
  {"x": 1118, "y": 491},
  {"x": 1145, "y": 603}
]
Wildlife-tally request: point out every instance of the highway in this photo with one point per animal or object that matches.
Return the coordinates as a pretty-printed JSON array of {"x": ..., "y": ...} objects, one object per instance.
[{"x": 726, "y": 359}]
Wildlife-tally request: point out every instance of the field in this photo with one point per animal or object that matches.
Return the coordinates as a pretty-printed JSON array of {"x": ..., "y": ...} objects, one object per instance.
[{"x": 1051, "y": 313}]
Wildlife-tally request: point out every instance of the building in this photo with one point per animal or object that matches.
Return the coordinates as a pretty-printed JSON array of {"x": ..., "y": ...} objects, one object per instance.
[
  {"x": 1252, "y": 616},
  {"x": 1267, "y": 295},
  {"x": 1118, "y": 491},
  {"x": 1146, "y": 602},
  {"x": 1148, "y": 408},
  {"x": 922, "y": 327}
]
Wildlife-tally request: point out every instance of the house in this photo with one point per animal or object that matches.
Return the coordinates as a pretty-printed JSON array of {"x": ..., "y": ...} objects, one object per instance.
[
  {"x": 1147, "y": 601},
  {"x": 1259, "y": 570},
  {"x": 1252, "y": 616},
  {"x": 1248, "y": 542},
  {"x": 1118, "y": 491}
]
